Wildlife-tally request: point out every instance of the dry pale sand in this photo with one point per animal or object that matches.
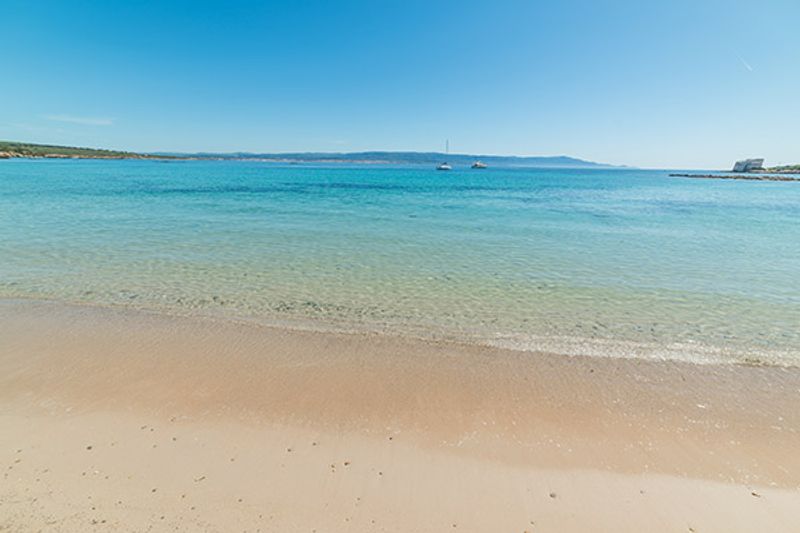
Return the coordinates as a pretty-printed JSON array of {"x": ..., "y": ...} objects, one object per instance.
[{"x": 122, "y": 420}]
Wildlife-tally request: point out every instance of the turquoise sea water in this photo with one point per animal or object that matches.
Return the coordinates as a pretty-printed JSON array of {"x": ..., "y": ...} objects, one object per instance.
[{"x": 603, "y": 262}]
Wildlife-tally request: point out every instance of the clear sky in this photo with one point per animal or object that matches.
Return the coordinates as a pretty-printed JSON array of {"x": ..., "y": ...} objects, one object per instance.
[{"x": 676, "y": 84}]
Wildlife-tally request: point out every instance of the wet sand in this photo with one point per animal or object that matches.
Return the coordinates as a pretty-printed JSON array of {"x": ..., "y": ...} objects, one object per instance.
[{"x": 126, "y": 420}]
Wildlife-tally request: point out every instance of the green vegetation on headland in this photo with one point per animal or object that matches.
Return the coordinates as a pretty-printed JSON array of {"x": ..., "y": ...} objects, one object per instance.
[
  {"x": 784, "y": 169},
  {"x": 752, "y": 169},
  {"x": 752, "y": 176},
  {"x": 14, "y": 149}
]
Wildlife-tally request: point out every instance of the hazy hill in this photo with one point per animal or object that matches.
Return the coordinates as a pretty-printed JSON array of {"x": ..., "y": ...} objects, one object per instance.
[
  {"x": 407, "y": 158},
  {"x": 15, "y": 149}
]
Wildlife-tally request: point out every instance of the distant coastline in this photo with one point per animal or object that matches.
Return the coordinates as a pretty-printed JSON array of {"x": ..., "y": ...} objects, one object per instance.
[
  {"x": 402, "y": 158},
  {"x": 752, "y": 177},
  {"x": 10, "y": 150},
  {"x": 785, "y": 169}
]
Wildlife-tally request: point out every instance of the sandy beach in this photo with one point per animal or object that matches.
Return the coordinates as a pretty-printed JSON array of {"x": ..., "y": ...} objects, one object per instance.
[
  {"x": 401, "y": 267},
  {"x": 131, "y": 421}
]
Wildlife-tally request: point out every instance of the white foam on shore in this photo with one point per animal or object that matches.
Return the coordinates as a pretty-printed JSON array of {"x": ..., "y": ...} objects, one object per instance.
[
  {"x": 688, "y": 352},
  {"x": 685, "y": 352}
]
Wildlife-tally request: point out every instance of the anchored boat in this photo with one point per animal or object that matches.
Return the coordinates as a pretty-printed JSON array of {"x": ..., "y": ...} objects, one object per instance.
[{"x": 445, "y": 165}]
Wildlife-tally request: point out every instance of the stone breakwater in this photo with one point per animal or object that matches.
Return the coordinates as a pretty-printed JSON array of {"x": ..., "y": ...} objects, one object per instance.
[{"x": 754, "y": 177}]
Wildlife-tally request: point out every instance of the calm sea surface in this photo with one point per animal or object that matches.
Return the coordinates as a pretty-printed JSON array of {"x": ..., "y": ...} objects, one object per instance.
[{"x": 603, "y": 262}]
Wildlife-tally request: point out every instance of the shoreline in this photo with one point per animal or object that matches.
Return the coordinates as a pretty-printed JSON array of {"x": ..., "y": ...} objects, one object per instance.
[
  {"x": 567, "y": 346},
  {"x": 487, "y": 434}
]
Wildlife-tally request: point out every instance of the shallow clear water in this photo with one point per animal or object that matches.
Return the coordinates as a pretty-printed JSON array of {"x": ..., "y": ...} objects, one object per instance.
[{"x": 607, "y": 262}]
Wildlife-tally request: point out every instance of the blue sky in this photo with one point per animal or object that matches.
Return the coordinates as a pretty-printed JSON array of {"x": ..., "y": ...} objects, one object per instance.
[{"x": 679, "y": 84}]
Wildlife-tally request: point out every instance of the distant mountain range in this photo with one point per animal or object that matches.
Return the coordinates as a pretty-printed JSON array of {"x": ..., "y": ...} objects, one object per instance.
[
  {"x": 16, "y": 149},
  {"x": 402, "y": 158}
]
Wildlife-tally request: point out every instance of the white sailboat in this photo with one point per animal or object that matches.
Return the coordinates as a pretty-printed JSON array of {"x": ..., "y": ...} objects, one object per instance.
[{"x": 445, "y": 165}]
